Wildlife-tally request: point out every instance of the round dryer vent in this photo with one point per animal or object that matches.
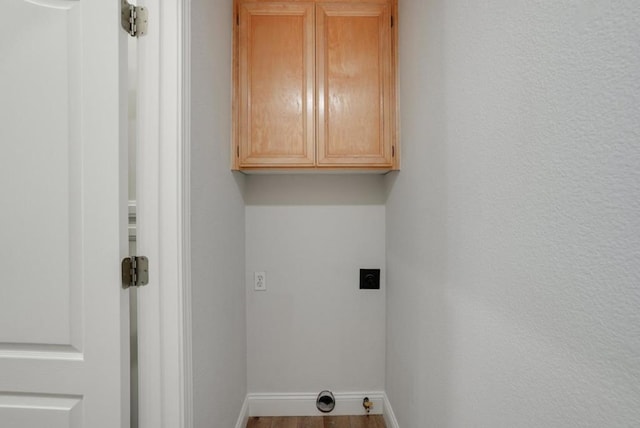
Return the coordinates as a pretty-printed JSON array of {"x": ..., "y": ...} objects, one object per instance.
[{"x": 326, "y": 401}]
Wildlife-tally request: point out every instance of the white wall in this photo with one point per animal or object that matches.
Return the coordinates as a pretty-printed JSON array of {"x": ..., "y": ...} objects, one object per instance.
[
  {"x": 313, "y": 328},
  {"x": 513, "y": 229},
  {"x": 217, "y": 226}
]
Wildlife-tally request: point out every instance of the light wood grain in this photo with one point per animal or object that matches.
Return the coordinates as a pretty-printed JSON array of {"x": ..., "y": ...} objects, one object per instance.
[
  {"x": 325, "y": 1},
  {"x": 315, "y": 85},
  {"x": 354, "y": 84},
  {"x": 276, "y": 88}
]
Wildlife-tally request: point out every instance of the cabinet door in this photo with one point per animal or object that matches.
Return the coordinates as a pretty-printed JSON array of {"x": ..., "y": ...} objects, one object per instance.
[
  {"x": 276, "y": 88},
  {"x": 354, "y": 84}
]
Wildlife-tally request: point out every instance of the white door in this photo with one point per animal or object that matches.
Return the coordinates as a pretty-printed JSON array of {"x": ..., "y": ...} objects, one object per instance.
[{"x": 64, "y": 357}]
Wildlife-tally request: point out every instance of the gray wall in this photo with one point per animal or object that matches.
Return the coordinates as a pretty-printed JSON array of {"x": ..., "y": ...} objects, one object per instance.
[
  {"x": 513, "y": 229},
  {"x": 313, "y": 328},
  {"x": 217, "y": 226}
]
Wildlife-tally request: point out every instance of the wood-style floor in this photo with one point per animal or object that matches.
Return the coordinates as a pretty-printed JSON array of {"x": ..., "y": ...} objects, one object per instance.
[{"x": 372, "y": 421}]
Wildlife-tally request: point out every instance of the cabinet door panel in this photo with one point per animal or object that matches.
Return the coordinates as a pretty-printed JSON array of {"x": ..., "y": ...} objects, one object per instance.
[
  {"x": 354, "y": 84},
  {"x": 276, "y": 95}
]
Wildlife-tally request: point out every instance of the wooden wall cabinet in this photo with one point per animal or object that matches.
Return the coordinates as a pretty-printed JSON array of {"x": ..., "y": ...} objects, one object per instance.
[{"x": 315, "y": 86}]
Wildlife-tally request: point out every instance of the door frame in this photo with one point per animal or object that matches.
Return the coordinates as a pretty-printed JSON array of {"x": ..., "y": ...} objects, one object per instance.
[{"x": 163, "y": 213}]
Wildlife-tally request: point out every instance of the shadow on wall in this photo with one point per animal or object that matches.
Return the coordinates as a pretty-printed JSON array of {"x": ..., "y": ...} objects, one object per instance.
[
  {"x": 419, "y": 366},
  {"x": 332, "y": 189}
]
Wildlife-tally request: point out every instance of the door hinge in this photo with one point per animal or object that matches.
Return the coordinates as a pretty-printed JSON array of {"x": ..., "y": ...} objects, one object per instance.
[
  {"x": 135, "y": 271},
  {"x": 134, "y": 19}
]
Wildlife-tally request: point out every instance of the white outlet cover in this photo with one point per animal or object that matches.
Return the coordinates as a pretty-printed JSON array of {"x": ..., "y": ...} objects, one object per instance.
[{"x": 260, "y": 281}]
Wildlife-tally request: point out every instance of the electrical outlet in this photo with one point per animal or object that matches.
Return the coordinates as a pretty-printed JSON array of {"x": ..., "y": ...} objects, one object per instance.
[{"x": 260, "y": 281}]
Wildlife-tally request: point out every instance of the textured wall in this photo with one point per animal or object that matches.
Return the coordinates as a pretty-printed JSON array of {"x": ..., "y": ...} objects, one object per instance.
[
  {"x": 219, "y": 334},
  {"x": 513, "y": 229},
  {"x": 313, "y": 328}
]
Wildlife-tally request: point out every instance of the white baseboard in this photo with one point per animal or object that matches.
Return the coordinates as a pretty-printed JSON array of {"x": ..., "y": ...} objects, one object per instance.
[
  {"x": 389, "y": 417},
  {"x": 243, "y": 418},
  {"x": 304, "y": 404}
]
